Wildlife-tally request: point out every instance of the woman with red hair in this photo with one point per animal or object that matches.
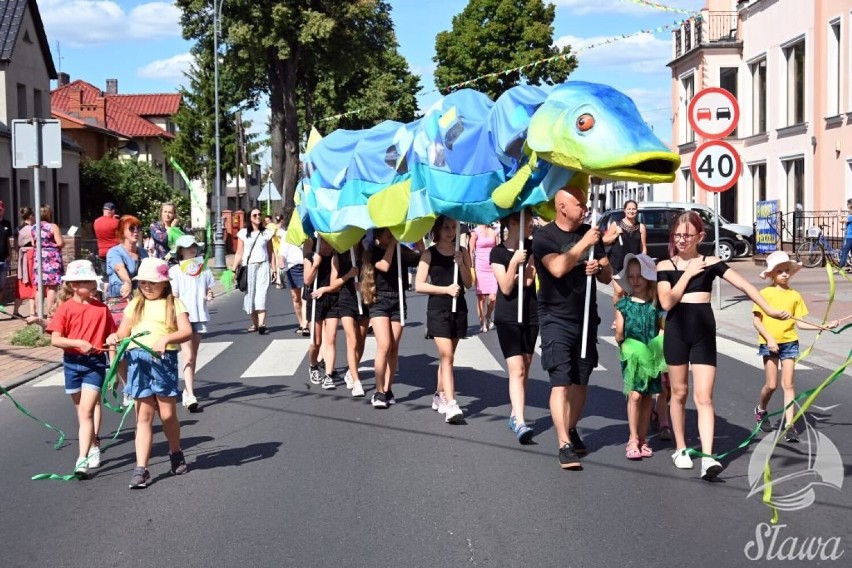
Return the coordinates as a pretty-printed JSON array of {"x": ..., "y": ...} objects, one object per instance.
[{"x": 122, "y": 262}]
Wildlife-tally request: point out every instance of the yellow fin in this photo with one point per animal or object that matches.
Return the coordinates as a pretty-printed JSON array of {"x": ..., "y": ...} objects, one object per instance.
[
  {"x": 546, "y": 210},
  {"x": 389, "y": 207},
  {"x": 313, "y": 138},
  {"x": 506, "y": 195},
  {"x": 344, "y": 240},
  {"x": 413, "y": 230},
  {"x": 295, "y": 233}
]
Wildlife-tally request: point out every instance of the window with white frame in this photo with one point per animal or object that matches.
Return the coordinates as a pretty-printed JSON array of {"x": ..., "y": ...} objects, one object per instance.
[
  {"x": 687, "y": 91},
  {"x": 794, "y": 169},
  {"x": 794, "y": 56},
  {"x": 833, "y": 69},
  {"x": 688, "y": 186},
  {"x": 758, "y": 181},
  {"x": 758, "y": 97}
]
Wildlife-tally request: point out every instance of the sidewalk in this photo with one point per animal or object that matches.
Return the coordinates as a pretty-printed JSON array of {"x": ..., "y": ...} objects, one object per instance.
[{"x": 21, "y": 364}]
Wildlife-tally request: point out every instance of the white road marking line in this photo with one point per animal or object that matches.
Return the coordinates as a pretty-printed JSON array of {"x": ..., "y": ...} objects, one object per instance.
[
  {"x": 281, "y": 357},
  {"x": 54, "y": 380},
  {"x": 472, "y": 353},
  {"x": 209, "y": 351},
  {"x": 368, "y": 356}
]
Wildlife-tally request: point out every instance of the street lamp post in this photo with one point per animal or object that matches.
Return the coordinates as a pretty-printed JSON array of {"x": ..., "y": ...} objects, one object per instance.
[{"x": 219, "y": 230}]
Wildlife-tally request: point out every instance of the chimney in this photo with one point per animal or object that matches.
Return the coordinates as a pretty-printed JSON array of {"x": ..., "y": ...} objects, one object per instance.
[
  {"x": 63, "y": 79},
  {"x": 112, "y": 86}
]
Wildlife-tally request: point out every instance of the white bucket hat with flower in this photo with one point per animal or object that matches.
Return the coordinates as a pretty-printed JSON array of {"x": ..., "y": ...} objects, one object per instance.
[
  {"x": 80, "y": 271},
  {"x": 153, "y": 270}
]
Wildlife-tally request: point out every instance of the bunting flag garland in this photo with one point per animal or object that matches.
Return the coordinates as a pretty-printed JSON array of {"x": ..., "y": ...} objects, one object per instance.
[
  {"x": 658, "y": 6},
  {"x": 563, "y": 56}
]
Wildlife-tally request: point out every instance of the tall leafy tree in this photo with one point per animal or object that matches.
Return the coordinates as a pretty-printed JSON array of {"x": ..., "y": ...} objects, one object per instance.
[
  {"x": 490, "y": 36},
  {"x": 295, "y": 50},
  {"x": 194, "y": 144}
]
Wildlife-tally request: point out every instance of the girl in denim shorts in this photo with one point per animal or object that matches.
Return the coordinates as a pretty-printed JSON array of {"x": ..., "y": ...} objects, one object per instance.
[
  {"x": 778, "y": 340},
  {"x": 81, "y": 326},
  {"x": 152, "y": 373}
]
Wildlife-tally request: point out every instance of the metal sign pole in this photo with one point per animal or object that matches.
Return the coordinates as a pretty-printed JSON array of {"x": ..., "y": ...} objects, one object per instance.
[
  {"x": 716, "y": 223},
  {"x": 37, "y": 235}
]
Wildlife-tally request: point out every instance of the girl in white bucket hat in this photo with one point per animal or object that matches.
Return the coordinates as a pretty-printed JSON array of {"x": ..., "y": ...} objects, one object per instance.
[
  {"x": 638, "y": 322},
  {"x": 80, "y": 327},
  {"x": 152, "y": 373},
  {"x": 778, "y": 342}
]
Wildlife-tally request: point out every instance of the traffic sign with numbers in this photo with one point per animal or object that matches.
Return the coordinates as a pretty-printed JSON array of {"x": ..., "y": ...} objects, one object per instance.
[{"x": 716, "y": 166}]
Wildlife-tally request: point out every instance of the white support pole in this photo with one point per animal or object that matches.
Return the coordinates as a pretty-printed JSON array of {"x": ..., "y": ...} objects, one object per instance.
[
  {"x": 357, "y": 293},
  {"x": 399, "y": 282},
  {"x": 37, "y": 235},
  {"x": 718, "y": 282},
  {"x": 316, "y": 283},
  {"x": 521, "y": 270},
  {"x": 455, "y": 264},
  {"x": 589, "y": 280}
]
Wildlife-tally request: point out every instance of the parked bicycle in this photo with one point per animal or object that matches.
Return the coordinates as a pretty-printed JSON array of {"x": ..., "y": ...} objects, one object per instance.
[{"x": 817, "y": 249}]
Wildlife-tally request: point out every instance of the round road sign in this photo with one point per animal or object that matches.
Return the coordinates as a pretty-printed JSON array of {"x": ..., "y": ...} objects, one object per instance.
[
  {"x": 713, "y": 113},
  {"x": 716, "y": 166}
]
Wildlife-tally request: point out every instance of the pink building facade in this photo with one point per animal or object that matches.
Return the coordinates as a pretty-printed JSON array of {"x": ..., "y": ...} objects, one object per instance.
[{"x": 789, "y": 64}]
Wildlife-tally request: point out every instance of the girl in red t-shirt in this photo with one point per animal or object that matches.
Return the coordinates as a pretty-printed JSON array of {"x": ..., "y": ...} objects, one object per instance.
[{"x": 80, "y": 327}]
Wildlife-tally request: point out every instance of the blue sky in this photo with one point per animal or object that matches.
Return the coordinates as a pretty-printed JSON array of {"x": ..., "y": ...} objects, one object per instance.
[{"x": 138, "y": 42}]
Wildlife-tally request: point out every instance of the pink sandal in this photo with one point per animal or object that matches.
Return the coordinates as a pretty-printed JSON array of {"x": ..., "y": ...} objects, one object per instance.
[
  {"x": 632, "y": 452},
  {"x": 645, "y": 450}
]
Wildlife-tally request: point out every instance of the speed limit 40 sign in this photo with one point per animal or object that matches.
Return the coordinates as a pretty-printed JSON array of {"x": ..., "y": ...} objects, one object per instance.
[{"x": 716, "y": 166}]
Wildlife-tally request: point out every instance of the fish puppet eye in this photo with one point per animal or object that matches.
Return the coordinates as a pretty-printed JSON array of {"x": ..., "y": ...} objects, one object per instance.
[{"x": 585, "y": 122}]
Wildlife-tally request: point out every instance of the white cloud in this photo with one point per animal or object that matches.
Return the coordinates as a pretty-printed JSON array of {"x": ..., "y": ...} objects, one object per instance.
[
  {"x": 585, "y": 7},
  {"x": 643, "y": 53},
  {"x": 92, "y": 22},
  {"x": 171, "y": 69}
]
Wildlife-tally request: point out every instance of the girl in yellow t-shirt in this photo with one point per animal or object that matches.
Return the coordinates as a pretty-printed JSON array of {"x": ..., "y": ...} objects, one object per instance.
[
  {"x": 152, "y": 380},
  {"x": 778, "y": 340}
]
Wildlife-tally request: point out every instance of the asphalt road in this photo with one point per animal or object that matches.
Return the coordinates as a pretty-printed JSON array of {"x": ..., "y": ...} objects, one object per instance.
[{"x": 282, "y": 474}]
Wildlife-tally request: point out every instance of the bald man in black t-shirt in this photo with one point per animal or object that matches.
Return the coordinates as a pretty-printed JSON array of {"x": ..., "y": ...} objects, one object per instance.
[{"x": 561, "y": 252}]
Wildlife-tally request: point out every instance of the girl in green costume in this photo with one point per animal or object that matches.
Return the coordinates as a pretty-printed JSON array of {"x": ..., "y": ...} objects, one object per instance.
[{"x": 638, "y": 322}]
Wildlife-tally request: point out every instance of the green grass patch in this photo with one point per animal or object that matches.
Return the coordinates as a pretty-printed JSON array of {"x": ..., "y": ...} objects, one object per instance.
[{"x": 30, "y": 336}]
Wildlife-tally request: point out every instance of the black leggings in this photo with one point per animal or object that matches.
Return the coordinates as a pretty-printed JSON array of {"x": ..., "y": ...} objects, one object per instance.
[{"x": 690, "y": 335}]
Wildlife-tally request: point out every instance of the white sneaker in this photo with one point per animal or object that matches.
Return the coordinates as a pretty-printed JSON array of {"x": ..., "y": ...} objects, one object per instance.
[
  {"x": 438, "y": 403},
  {"x": 328, "y": 383},
  {"x": 681, "y": 459},
  {"x": 357, "y": 389},
  {"x": 453, "y": 413},
  {"x": 127, "y": 400},
  {"x": 347, "y": 378},
  {"x": 189, "y": 402},
  {"x": 94, "y": 457},
  {"x": 80, "y": 469},
  {"x": 710, "y": 468}
]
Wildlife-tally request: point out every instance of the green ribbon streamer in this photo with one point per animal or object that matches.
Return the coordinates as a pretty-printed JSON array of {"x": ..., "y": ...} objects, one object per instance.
[
  {"x": 108, "y": 386},
  {"x": 808, "y": 397},
  {"x": 20, "y": 407}
]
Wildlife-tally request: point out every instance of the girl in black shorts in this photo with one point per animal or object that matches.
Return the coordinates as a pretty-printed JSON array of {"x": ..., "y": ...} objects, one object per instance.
[
  {"x": 517, "y": 340},
  {"x": 684, "y": 283},
  {"x": 355, "y": 322},
  {"x": 442, "y": 323},
  {"x": 380, "y": 287},
  {"x": 320, "y": 265}
]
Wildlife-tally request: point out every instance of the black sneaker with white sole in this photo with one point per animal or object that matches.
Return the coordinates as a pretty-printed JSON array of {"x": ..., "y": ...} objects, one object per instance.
[
  {"x": 577, "y": 442},
  {"x": 568, "y": 458},
  {"x": 141, "y": 478},
  {"x": 379, "y": 400}
]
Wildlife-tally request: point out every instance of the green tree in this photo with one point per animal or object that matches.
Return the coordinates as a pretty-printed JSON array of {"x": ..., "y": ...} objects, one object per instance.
[
  {"x": 134, "y": 186},
  {"x": 490, "y": 36},
  {"x": 306, "y": 55},
  {"x": 194, "y": 144}
]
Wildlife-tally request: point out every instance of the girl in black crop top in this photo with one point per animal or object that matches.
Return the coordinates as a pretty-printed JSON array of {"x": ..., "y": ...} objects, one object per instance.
[
  {"x": 684, "y": 282},
  {"x": 447, "y": 326}
]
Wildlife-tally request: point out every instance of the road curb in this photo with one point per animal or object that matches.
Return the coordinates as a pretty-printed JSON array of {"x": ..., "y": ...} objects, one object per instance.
[{"x": 18, "y": 381}]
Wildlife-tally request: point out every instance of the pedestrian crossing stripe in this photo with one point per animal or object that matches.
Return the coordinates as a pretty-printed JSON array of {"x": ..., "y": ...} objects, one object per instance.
[
  {"x": 209, "y": 351},
  {"x": 281, "y": 357}
]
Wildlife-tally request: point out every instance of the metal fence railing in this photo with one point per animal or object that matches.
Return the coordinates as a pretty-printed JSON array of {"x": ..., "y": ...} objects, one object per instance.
[{"x": 794, "y": 227}]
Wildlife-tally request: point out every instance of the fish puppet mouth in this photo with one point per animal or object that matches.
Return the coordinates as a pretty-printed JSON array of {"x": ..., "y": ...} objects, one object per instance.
[{"x": 655, "y": 167}]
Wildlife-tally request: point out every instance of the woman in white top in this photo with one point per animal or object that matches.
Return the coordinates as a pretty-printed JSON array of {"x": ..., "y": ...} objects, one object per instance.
[
  {"x": 254, "y": 251},
  {"x": 291, "y": 267}
]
